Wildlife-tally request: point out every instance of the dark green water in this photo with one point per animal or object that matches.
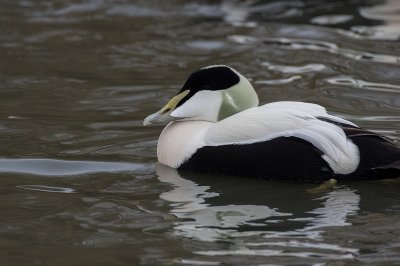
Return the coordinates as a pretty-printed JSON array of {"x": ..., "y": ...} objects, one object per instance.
[{"x": 78, "y": 184}]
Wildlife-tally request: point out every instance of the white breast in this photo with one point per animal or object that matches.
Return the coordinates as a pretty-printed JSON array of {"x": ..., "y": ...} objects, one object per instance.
[{"x": 179, "y": 140}]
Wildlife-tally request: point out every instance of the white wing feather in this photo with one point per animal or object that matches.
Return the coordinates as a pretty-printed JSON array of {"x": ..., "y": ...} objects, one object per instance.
[{"x": 289, "y": 119}]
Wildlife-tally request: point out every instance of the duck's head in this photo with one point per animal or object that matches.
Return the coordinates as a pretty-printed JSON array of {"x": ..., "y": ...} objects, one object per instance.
[{"x": 209, "y": 94}]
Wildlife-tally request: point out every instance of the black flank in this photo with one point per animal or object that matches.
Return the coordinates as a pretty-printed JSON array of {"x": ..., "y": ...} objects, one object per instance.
[
  {"x": 282, "y": 158},
  {"x": 291, "y": 158}
]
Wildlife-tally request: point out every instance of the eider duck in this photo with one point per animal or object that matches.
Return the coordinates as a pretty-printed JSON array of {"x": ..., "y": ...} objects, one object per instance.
[{"x": 215, "y": 126}]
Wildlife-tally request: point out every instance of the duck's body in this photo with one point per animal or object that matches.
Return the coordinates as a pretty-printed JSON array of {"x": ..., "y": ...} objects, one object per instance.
[{"x": 282, "y": 140}]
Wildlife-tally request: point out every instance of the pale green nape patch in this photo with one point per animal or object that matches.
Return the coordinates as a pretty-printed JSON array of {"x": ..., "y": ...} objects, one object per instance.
[{"x": 237, "y": 98}]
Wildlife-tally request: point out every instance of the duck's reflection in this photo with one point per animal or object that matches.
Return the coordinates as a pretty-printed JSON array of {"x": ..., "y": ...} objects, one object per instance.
[
  {"x": 337, "y": 205},
  {"x": 227, "y": 206}
]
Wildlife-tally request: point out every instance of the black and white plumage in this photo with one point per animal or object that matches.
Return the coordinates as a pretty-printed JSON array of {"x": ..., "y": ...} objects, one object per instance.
[{"x": 216, "y": 126}]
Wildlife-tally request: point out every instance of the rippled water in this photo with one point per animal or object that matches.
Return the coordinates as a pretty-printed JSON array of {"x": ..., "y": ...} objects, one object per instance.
[{"x": 78, "y": 184}]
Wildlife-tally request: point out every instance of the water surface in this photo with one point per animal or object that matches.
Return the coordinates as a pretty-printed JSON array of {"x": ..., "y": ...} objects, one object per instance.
[{"x": 78, "y": 180}]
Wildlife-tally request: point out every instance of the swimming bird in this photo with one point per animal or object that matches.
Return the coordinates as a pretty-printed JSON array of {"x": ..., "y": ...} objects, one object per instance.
[{"x": 216, "y": 126}]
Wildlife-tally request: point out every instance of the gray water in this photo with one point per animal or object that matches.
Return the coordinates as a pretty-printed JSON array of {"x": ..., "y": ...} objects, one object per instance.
[{"x": 78, "y": 180}]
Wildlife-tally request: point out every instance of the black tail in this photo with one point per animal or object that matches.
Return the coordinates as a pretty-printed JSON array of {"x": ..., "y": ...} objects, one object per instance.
[{"x": 379, "y": 157}]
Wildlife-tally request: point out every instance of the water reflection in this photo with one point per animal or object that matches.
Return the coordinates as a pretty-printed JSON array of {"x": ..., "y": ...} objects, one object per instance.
[
  {"x": 258, "y": 217},
  {"x": 359, "y": 19},
  {"x": 386, "y": 12},
  {"x": 333, "y": 48},
  {"x": 47, "y": 189},
  {"x": 51, "y": 167},
  {"x": 337, "y": 205},
  {"x": 206, "y": 222},
  {"x": 79, "y": 76}
]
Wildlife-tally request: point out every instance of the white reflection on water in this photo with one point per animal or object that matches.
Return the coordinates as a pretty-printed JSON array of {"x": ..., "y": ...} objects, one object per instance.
[
  {"x": 331, "y": 19},
  {"x": 348, "y": 81},
  {"x": 296, "y": 69},
  {"x": 388, "y": 13},
  {"x": 332, "y": 48},
  {"x": 51, "y": 167},
  {"x": 279, "y": 81},
  {"x": 237, "y": 13},
  {"x": 208, "y": 223},
  {"x": 337, "y": 205},
  {"x": 205, "y": 222},
  {"x": 47, "y": 189}
]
